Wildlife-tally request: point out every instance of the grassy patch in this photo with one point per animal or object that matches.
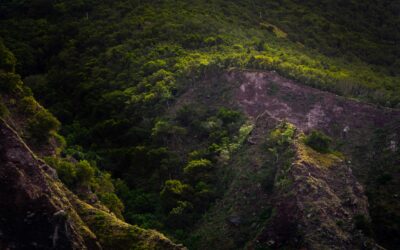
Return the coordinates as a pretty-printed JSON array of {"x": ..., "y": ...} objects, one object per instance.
[{"x": 316, "y": 158}]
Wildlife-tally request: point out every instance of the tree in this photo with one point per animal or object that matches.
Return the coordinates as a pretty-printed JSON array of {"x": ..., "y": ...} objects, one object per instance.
[
  {"x": 41, "y": 126},
  {"x": 7, "y": 59},
  {"x": 174, "y": 191},
  {"x": 197, "y": 170},
  {"x": 318, "y": 141},
  {"x": 84, "y": 173}
]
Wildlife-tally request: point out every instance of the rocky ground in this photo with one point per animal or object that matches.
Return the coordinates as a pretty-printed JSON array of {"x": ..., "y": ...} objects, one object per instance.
[
  {"x": 323, "y": 196},
  {"x": 39, "y": 212}
]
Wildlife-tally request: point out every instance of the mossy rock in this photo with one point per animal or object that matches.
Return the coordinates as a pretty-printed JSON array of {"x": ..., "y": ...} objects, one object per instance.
[
  {"x": 309, "y": 155},
  {"x": 115, "y": 234}
]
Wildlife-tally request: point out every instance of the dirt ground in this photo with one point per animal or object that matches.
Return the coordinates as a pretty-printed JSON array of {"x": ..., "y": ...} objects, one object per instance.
[{"x": 267, "y": 93}]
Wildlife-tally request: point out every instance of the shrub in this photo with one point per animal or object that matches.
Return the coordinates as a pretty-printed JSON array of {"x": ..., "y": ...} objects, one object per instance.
[
  {"x": 164, "y": 129},
  {"x": 181, "y": 215},
  {"x": 198, "y": 169},
  {"x": 229, "y": 116},
  {"x": 41, "y": 126},
  {"x": 66, "y": 170},
  {"x": 283, "y": 134},
  {"x": 7, "y": 59},
  {"x": 187, "y": 115},
  {"x": 72, "y": 174},
  {"x": 10, "y": 83},
  {"x": 205, "y": 194},
  {"x": 173, "y": 191},
  {"x": 153, "y": 66},
  {"x": 38, "y": 84},
  {"x": 318, "y": 141},
  {"x": 28, "y": 105},
  {"x": 84, "y": 173},
  {"x": 112, "y": 202}
]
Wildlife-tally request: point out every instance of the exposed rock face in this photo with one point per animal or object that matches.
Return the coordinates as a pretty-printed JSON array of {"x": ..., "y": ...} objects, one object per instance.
[
  {"x": 32, "y": 215},
  {"x": 38, "y": 212},
  {"x": 322, "y": 198},
  {"x": 316, "y": 209},
  {"x": 269, "y": 94}
]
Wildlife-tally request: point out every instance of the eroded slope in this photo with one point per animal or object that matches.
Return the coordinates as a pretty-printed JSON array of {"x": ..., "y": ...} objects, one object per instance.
[
  {"x": 38, "y": 212},
  {"x": 269, "y": 94},
  {"x": 297, "y": 197}
]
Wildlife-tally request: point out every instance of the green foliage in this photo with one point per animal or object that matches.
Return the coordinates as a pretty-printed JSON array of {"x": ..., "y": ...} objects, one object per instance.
[
  {"x": 172, "y": 192},
  {"x": 7, "y": 59},
  {"x": 205, "y": 194},
  {"x": 73, "y": 174},
  {"x": 381, "y": 166},
  {"x": 181, "y": 215},
  {"x": 114, "y": 76},
  {"x": 38, "y": 84},
  {"x": 229, "y": 116},
  {"x": 153, "y": 66},
  {"x": 283, "y": 134},
  {"x": 164, "y": 129},
  {"x": 41, "y": 125},
  {"x": 29, "y": 106},
  {"x": 318, "y": 141},
  {"x": 279, "y": 149},
  {"x": 84, "y": 172},
  {"x": 66, "y": 170},
  {"x": 190, "y": 116},
  {"x": 112, "y": 202},
  {"x": 10, "y": 83},
  {"x": 198, "y": 169}
]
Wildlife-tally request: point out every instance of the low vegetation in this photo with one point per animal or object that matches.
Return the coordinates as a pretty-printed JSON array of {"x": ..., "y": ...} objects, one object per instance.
[
  {"x": 113, "y": 72},
  {"x": 318, "y": 141}
]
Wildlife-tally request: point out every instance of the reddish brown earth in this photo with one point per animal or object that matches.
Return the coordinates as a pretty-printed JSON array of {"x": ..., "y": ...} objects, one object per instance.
[
  {"x": 318, "y": 209},
  {"x": 269, "y": 94}
]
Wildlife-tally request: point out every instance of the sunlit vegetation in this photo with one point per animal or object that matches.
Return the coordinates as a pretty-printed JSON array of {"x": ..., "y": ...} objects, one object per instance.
[
  {"x": 111, "y": 72},
  {"x": 84, "y": 178}
]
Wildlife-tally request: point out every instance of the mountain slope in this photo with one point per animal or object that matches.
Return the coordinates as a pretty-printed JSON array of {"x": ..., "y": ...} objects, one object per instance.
[
  {"x": 38, "y": 211},
  {"x": 275, "y": 178},
  {"x": 35, "y": 202},
  {"x": 164, "y": 94}
]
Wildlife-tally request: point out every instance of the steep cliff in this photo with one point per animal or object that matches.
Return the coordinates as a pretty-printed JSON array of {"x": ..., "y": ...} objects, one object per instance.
[
  {"x": 316, "y": 200},
  {"x": 283, "y": 193},
  {"x": 38, "y": 212}
]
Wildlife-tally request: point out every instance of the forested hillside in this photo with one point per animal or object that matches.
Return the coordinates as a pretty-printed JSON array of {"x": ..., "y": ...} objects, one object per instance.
[{"x": 150, "y": 123}]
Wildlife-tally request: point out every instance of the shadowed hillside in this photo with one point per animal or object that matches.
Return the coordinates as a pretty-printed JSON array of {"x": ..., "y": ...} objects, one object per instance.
[{"x": 249, "y": 124}]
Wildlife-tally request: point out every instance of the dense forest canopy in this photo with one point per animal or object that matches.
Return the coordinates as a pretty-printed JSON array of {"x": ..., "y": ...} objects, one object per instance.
[{"x": 111, "y": 71}]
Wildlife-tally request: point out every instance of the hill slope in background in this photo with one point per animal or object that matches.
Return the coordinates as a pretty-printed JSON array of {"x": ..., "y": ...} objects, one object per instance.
[
  {"x": 172, "y": 97},
  {"x": 37, "y": 211}
]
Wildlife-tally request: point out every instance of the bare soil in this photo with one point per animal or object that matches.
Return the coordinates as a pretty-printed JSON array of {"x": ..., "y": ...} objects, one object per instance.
[{"x": 268, "y": 93}]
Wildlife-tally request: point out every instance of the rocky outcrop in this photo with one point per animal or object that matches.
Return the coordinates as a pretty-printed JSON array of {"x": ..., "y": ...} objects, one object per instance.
[
  {"x": 317, "y": 205},
  {"x": 38, "y": 212},
  {"x": 320, "y": 202},
  {"x": 33, "y": 213}
]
